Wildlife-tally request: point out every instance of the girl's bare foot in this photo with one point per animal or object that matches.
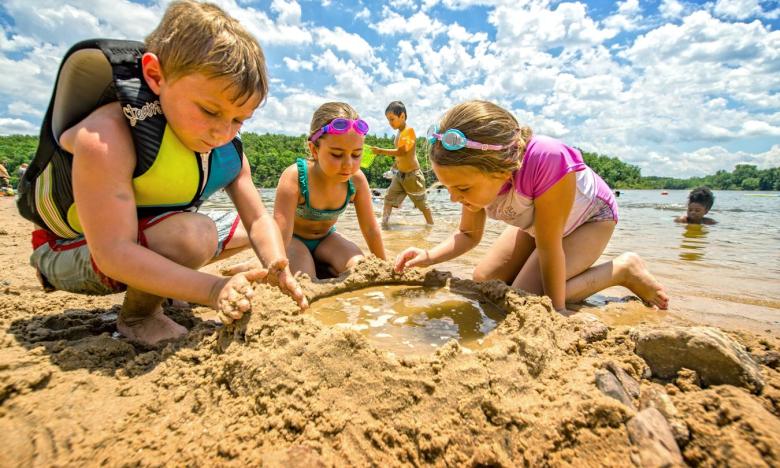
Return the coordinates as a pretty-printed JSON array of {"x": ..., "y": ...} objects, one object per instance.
[
  {"x": 149, "y": 329},
  {"x": 633, "y": 274}
]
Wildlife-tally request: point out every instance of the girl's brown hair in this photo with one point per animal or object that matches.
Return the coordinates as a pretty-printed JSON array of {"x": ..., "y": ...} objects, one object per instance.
[
  {"x": 195, "y": 37},
  {"x": 327, "y": 112},
  {"x": 488, "y": 123}
]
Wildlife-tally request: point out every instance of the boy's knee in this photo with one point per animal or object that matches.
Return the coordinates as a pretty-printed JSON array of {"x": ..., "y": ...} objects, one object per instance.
[{"x": 190, "y": 241}]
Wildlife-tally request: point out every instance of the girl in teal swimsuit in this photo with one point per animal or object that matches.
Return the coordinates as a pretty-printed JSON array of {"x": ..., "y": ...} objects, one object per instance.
[{"x": 313, "y": 193}]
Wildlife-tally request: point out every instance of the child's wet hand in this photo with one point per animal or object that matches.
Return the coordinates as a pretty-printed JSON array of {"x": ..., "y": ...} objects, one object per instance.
[
  {"x": 280, "y": 275},
  {"x": 235, "y": 297},
  {"x": 289, "y": 285},
  {"x": 411, "y": 257}
]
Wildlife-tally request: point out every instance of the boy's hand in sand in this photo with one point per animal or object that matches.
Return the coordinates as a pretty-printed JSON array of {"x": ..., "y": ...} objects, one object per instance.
[
  {"x": 235, "y": 297},
  {"x": 412, "y": 257},
  {"x": 278, "y": 274}
]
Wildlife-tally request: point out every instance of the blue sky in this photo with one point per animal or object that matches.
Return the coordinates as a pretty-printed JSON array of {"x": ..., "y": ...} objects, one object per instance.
[{"x": 677, "y": 88}]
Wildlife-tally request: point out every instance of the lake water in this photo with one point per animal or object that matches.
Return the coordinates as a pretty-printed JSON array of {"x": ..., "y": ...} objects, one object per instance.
[{"x": 726, "y": 275}]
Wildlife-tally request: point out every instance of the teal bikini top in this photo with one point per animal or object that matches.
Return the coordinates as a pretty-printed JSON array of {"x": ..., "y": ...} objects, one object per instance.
[{"x": 305, "y": 210}]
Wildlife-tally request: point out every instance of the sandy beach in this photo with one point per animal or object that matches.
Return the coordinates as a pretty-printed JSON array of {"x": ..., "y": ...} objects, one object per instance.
[{"x": 287, "y": 390}]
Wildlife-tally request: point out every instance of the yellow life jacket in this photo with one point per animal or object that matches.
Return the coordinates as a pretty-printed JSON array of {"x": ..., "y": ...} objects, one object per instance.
[{"x": 167, "y": 175}]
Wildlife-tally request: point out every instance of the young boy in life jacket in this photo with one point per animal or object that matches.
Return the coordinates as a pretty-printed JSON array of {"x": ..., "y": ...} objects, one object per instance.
[{"x": 141, "y": 165}]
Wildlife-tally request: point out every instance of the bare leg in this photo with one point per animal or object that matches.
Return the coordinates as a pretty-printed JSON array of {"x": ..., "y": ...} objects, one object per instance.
[
  {"x": 428, "y": 215},
  {"x": 301, "y": 259},
  {"x": 627, "y": 270},
  {"x": 506, "y": 257},
  {"x": 237, "y": 243},
  {"x": 188, "y": 239},
  {"x": 583, "y": 247},
  {"x": 339, "y": 252},
  {"x": 386, "y": 210}
]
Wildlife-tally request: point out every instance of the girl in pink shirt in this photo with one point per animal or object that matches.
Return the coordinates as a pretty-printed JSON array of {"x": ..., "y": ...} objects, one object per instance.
[{"x": 561, "y": 214}]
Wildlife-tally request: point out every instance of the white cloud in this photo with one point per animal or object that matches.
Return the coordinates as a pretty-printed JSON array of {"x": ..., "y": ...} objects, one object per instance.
[
  {"x": 417, "y": 25},
  {"x": 737, "y": 9},
  {"x": 535, "y": 26},
  {"x": 402, "y": 4},
  {"x": 363, "y": 14},
  {"x": 22, "y": 108},
  {"x": 297, "y": 65},
  {"x": 349, "y": 82},
  {"x": 16, "y": 127},
  {"x": 352, "y": 44},
  {"x": 16, "y": 43},
  {"x": 627, "y": 18},
  {"x": 287, "y": 12},
  {"x": 285, "y": 30},
  {"x": 671, "y": 9},
  {"x": 68, "y": 22},
  {"x": 759, "y": 127},
  {"x": 708, "y": 160},
  {"x": 458, "y": 33}
]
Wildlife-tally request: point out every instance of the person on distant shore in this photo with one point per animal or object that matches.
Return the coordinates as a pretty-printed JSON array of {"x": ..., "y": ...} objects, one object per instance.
[
  {"x": 561, "y": 213},
  {"x": 21, "y": 170},
  {"x": 408, "y": 179},
  {"x": 313, "y": 193},
  {"x": 5, "y": 177},
  {"x": 700, "y": 201},
  {"x": 141, "y": 165}
]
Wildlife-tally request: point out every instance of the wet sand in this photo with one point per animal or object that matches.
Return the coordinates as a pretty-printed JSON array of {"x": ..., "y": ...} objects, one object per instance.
[{"x": 289, "y": 391}]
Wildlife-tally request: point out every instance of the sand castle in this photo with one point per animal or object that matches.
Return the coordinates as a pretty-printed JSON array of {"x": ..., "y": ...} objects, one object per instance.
[{"x": 286, "y": 390}]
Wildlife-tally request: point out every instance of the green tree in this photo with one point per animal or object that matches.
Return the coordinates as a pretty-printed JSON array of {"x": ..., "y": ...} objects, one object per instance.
[{"x": 269, "y": 155}]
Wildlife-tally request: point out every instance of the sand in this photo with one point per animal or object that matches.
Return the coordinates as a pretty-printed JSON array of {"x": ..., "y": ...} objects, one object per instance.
[{"x": 289, "y": 391}]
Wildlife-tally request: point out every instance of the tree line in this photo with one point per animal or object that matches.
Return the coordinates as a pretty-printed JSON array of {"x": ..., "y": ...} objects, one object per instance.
[{"x": 270, "y": 154}]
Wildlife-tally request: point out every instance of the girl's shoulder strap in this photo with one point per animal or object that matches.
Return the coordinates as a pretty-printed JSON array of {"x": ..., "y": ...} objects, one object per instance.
[
  {"x": 303, "y": 178},
  {"x": 350, "y": 188}
]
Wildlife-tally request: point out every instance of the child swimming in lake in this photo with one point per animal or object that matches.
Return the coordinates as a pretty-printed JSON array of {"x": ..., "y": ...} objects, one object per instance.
[
  {"x": 561, "y": 214},
  {"x": 700, "y": 201},
  {"x": 313, "y": 193}
]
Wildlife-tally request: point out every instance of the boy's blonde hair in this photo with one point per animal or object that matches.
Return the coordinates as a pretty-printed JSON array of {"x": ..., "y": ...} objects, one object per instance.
[
  {"x": 488, "y": 123},
  {"x": 198, "y": 37},
  {"x": 327, "y": 112}
]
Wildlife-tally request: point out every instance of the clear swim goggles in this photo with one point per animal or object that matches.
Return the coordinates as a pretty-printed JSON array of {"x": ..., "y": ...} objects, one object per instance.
[
  {"x": 339, "y": 126},
  {"x": 453, "y": 140}
]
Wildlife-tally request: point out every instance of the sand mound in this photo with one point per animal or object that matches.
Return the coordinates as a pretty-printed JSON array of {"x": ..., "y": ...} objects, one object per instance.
[{"x": 289, "y": 391}]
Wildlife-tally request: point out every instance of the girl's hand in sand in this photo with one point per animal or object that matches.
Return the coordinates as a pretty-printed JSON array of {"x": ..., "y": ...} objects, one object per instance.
[
  {"x": 235, "y": 296},
  {"x": 280, "y": 275},
  {"x": 412, "y": 257}
]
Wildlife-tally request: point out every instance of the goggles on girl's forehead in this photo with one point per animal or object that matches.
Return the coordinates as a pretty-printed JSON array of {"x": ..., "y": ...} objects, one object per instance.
[
  {"x": 339, "y": 126},
  {"x": 453, "y": 140}
]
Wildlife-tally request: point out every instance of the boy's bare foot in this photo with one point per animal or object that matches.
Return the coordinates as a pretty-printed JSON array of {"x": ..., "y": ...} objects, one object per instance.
[
  {"x": 150, "y": 329},
  {"x": 633, "y": 274},
  {"x": 176, "y": 304},
  {"x": 242, "y": 267}
]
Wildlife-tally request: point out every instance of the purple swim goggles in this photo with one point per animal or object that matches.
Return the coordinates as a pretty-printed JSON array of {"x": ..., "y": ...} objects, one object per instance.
[{"x": 339, "y": 126}]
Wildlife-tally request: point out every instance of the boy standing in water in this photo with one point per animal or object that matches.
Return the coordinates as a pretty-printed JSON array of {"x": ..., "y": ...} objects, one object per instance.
[
  {"x": 700, "y": 201},
  {"x": 408, "y": 179}
]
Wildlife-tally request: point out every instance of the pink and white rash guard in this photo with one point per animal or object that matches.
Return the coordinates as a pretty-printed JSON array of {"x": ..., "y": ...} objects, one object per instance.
[{"x": 546, "y": 161}]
